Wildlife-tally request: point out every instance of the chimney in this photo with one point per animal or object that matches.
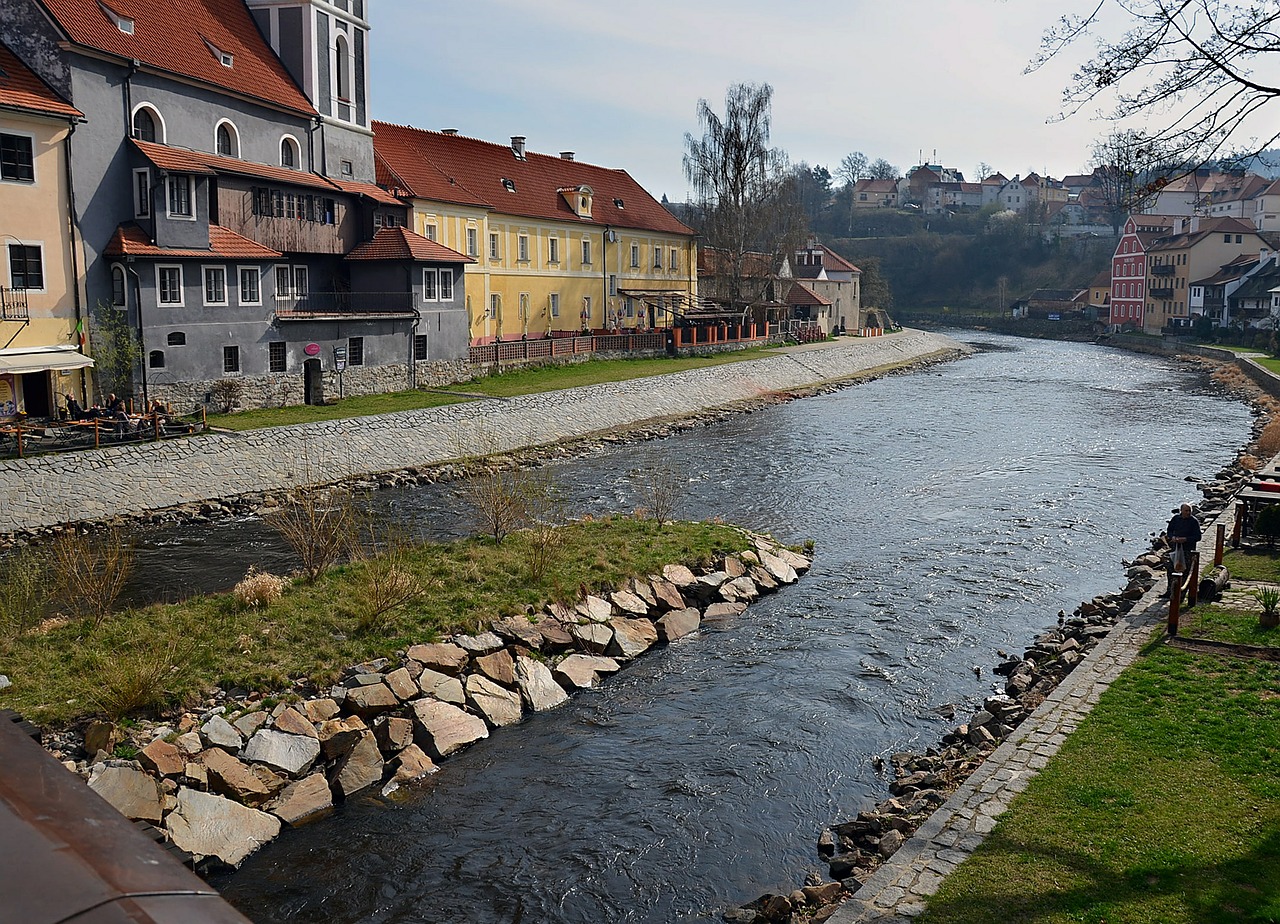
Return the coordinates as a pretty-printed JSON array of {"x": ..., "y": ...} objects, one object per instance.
[
  {"x": 1195, "y": 224},
  {"x": 566, "y": 155},
  {"x": 517, "y": 146},
  {"x": 448, "y": 131}
]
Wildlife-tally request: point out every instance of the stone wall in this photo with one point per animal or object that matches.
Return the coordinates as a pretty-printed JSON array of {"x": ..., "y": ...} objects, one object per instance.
[
  {"x": 102, "y": 483},
  {"x": 1267, "y": 380}
]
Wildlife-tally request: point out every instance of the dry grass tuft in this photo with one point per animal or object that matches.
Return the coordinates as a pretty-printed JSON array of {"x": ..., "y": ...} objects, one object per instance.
[
  {"x": 259, "y": 589},
  {"x": 134, "y": 678}
]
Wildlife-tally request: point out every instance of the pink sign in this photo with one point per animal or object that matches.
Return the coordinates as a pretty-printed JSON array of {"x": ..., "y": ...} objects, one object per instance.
[{"x": 311, "y": 349}]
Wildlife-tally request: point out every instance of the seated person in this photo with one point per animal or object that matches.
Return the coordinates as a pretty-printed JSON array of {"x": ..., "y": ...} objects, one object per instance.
[
  {"x": 74, "y": 410},
  {"x": 116, "y": 408}
]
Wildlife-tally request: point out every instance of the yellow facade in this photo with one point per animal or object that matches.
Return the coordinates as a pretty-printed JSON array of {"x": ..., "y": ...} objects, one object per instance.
[
  {"x": 38, "y": 320},
  {"x": 533, "y": 277}
]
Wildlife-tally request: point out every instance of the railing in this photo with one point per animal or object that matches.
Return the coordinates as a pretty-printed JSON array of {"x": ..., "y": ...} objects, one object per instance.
[
  {"x": 346, "y": 303},
  {"x": 566, "y": 344},
  {"x": 1162, "y": 269},
  {"x": 13, "y": 304},
  {"x": 23, "y": 438},
  {"x": 1161, "y": 293}
]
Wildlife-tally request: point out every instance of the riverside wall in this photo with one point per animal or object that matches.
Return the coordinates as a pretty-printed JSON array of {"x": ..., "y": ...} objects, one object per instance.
[{"x": 115, "y": 481}]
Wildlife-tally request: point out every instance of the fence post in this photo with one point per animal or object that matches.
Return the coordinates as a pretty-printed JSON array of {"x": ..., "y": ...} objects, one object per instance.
[
  {"x": 1218, "y": 545},
  {"x": 155, "y": 422},
  {"x": 97, "y": 433},
  {"x": 1238, "y": 526},
  {"x": 1193, "y": 592},
  {"x": 1175, "y": 600},
  {"x": 19, "y": 439}
]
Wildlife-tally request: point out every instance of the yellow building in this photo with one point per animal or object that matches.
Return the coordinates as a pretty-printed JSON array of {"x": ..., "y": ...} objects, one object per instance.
[
  {"x": 41, "y": 305},
  {"x": 560, "y": 245}
]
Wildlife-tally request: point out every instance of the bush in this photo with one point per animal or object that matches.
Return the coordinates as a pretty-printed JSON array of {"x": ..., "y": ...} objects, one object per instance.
[
  {"x": 24, "y": 592},
  {"x": 134, "y": 677},
  {"x": 384, "y": 581},
  {"x": 660, "y": 489},
  {"x": 320, "y": 527},
  {"x": 91, "y": 570},
  {"x": 259, "y": 589},
  {"x": 1267, "y": 524},
  {"x": 1269, "y": 440},
  {"x": 226, "y": 393}
]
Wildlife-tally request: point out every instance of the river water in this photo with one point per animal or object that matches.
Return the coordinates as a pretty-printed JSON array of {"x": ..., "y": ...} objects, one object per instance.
[{"x": 955, "y": 510}]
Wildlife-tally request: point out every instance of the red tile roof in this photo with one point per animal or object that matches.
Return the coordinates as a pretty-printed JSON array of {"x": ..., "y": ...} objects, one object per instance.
[
  {"x": 20, "y": 88},
  {"x": 175, "y": 37},
  {"x": 833, "y": 261},
  {"x": 177, "y": 160},
  {"x": 467, "y": 171},
  {"x": 376, "y": 193},
  {"x": 801, "y": 295},
  {"x": 131, "y": 241},
  {"x": 402, "y": 244},
  {"x": 186, "y": 161}
]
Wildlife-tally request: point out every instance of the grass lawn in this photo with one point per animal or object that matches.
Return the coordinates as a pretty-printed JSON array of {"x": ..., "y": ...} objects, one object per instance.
[
  {"x": 71, "y": 670},
  {"x": 521, "y": 381},
  {"x": 1162, "y": 808},
  {"x": 1269, "y": 363}
]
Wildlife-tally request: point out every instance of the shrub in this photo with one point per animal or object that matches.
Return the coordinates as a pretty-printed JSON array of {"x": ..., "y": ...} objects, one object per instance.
[
  {"x": 133, "y": 677},
  {"x": 1269, "y": 440},
  {"x": 660, "y": 488},
  {"x": 384, "y": 580},
  {"x": 259, "y": 589},
  {"x": 91, "y": 570},
  {"x": 226, "y": 393},
  {"x": 320, "y": 527},
  {"x": 24, "y": 592},
  {"x": 1267, "y": 524}
]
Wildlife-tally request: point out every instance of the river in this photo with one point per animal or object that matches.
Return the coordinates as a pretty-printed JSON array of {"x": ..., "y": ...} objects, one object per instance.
[{"x": 956, "y": 510}]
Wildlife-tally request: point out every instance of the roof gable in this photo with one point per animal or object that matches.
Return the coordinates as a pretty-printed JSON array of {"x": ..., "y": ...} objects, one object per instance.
[{"x": 20, "y": 88}]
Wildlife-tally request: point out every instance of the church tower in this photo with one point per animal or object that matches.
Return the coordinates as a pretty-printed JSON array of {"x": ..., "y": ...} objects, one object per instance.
[{"x": 325, "y": 46}]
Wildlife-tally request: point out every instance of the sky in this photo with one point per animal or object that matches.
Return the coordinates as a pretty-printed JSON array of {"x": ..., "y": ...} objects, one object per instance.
[{"x": 937, "y": 81}]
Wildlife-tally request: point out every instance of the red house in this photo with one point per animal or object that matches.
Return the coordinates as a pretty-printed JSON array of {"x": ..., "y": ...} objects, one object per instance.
[{"x": 1129, "y": 267}]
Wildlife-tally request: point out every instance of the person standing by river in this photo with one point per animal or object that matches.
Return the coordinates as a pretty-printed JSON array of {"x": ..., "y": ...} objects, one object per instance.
[{"x": 1183, "y": 535}]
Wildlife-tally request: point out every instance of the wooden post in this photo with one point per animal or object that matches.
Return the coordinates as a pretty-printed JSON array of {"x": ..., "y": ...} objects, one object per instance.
[
  {"x": 1175, "y": 600},
  {"x": 19, "y": 439},
  {"x": 1219, "y": 543},
  {"x": 1193, "y": 592},
  {"x": 204, "y": 418},
  {"x": 155, "y": 422},
  {"x": 1238, "y": 526},
  {"x": 97, "y": 433}
]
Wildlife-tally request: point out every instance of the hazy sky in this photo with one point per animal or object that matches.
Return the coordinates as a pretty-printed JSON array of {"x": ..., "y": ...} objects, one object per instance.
[{"x": 619, "y": 83}]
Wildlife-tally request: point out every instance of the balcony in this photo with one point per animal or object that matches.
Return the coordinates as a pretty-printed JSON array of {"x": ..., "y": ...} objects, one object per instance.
[
  {"x": 1160, "y": 293},
  {"x": 1162, "y": 269},
  {"x": 337, "y": 306},
  {"x": 13, "y": 305}
]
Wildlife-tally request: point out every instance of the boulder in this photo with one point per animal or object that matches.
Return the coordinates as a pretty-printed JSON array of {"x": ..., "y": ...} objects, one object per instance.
[
  {"x": 445, "y": 658},
  {"x": 371, "y": 700},
  {"x": 402, "y": 684},
  {"x": 538, "y": 687},
  {"x": 644, "y": 591},
  {"x": 593, "y": 637},
  {"x": 219, "y": 733},
  {"x": 707, "y": 587},
  {"x": 321, "y": 710},
  {"x": 303, "y": 801},
  {"x": 477, "y": 645},
  {"x": 293, "y": 722},
  {"x": 499, "y": 667},
  {"x": 394, "y": 734},
  {"x": 292, "y": 754},
  {"x": 361, "y": 767},
  {"x": 413, "y": 764},
  {"x": 579, "y": 671},
  {"x": 442, "y": 687},
  {"x": 723, "y": 610},
  {"x": 338, "y": 736},
  {"x": 555, "y": 634},
  {"x": 631, "y": 637},
  {"x": 734, "y": 566},
  {"x": 100, "y": 736},
  {"x": 778, "y": 568},
  {"x": 764, "y": 580},
  {"x": 667, "y": 594},
  {"x": 208, "y": 826},
  {"x": 678, "y": 623},
  {"x": 190, "y": 744},
  {"x": 890, "y": 841},
  {"x": 443, "y": 728},
  {"x": 629, "y": 603},
  {"x": 596, "y": 609},
  {"x": 520, "y": 630},
  {"x": 799, "y": 563},
  {"x": 740, "y": 589},
  {"x": 232, "y": 777},
  {"x": 162, "y": 758},
  {"x": 135, "y": 795},
  {"x": 679, "y": 575},
  {"x": 496, "y": 704},
  {"x": 250, "y": 722}
]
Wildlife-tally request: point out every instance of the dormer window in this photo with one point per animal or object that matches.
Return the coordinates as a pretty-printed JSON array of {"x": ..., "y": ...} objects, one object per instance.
[
  {"x": 123, "y": 23},
  {"x": 578, "y": 198},
  {"x": 224, "y": 57},
  {"x": 508, "y": 185},
  {"x": 617, "y": 204}
]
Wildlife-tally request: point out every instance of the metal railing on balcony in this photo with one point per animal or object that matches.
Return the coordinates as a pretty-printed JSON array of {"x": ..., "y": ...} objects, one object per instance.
[
  {"x": 1162, "y": 269},
  {"x": 1161, "y": 293},
  {"x": 13, "y": 304},
  {"x": 339, "y": 303}
]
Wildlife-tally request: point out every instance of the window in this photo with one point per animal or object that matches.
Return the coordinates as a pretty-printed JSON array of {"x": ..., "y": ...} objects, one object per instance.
[
  {"x": 355, "y": 351},
  {"x": 635, "y": 254},
  {"x": 493, "y": 245},
  {"x": 118, "y": 291},
  {"x": 629, "y": 307},
  {"x": 284, "y": 282},
  {"x": 657, "y": 257},
  {"x": 230, "y": 359},
  {"x": 554, "y": 303},
  {"x": 674, "y": 259},
  {"x": 26, "y": 267},
  {"x": 169, "y": 284},
  {"x": 430, "y": 285},
  {"x": 289, "y": 153},
  {"x": 342, "y": 68},
  {"x": 586, "y": 251},
  {"x": 215, "y": 285},
  {"x": 613, "y": 284},
  {"x": 155, "y": 359},
  {"x": 250, "y": 285},
  {"x": 446, "y": 285},
  {"x": 299, "y": 282},
  {"x": 225, "y": 141},
  {"x": 495, "y": 305},
  {"x": 177, "y": 338},
  {"x": 523, "y": 248},
  {"x": 553, "y": 250},
  {"x": 144, "y": 124},
  {"x": 508, "y": 185},
  {"x": 180, "y": 196},
  {"x": 142, "y": 193},
  {"x": 276, "y": 361},
  {"x": 346, "y": 168},
  {"x": 430, "y": 232},
  {"x": 17, "y": 160},
  {"x": 473, "y": 242},
  {"x": 1239, "y": 240},
  {"x": 420, "y": 347}
]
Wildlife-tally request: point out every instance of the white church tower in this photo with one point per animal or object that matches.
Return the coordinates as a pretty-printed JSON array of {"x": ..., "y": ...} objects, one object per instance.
[{"x": 325, "y": 46}]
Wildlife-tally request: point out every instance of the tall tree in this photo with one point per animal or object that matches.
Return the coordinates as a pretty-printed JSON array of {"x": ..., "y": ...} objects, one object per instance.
[
  {"x": 1202, "y": 69},
  {"x": 853, "y": 167},
  {"x": 881, "y": 169},
  {"x": 1123, "y": 165},
  {"x": 745, "y": 201}
]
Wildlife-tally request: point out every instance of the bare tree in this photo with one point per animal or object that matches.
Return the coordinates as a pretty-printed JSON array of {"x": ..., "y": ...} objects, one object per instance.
[
  {"x": 1124, "y": 176},
  {"x": 881, "y": 169},
  {"x": 1191, "y": 64},
  {"x": 745, "y": 202},
  {"x": 853, "y": 167}
]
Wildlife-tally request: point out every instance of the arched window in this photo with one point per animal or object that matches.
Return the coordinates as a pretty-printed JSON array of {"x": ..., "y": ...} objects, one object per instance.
[
  {"x": 289, "y": 153},
  {"x": 118, "y": 296},
  {"x": 155, "y": 359},
  {"x": 342, "y": 68},
  {"x": 177, "y": 338},
  {"x": 145, "y": 123},
  {"x": 226, "y": 142}
]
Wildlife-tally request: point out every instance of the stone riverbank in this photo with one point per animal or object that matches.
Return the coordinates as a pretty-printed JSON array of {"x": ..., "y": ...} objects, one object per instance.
[
  {"x": 99, "y": 485},
  {"x": 222, "y": 781}
]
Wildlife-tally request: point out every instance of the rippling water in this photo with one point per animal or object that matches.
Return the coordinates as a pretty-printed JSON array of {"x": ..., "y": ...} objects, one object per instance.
[{"x": 955, "y": 512}]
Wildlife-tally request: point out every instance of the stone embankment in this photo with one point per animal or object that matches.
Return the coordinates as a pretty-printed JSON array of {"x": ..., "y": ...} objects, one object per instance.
[
  {"x": 222, "y": 782},
  {"x": 98, "y": 485}
]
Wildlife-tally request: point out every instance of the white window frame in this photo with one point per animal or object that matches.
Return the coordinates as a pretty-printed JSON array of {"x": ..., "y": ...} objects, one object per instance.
[
  {"x": 613, "y": 284},
  {"x": 473, "y": 242},
  {"x": 293, "y": 143},
  {"x": 446, "y": 285},
  {"x": 553, "y": 250},
  {"x": 39, "y": 245},
  {"x": 674, "y": 265},
  {"x": 522, "y": 248},
  {"x": 191, "y": 197},
  {"x": 495, "y": 248},
  {"x": 301, "y": 272},
  {"x": 142, "y": 207},
  {"x": 431, "y": 231},
  {"x": 495, "y": 305},
  {"x": 162, "y": 131},
  {"x": 430, "y": 285},
  {"x": 285, "y": 292},
  {"x": 586, "y": 251},
  {"x": 35, "y": 172},
  {"x": 635, "y": 256},
  {"x": 160, "y": 269},
  {"x": 257, "y": 272},
  {"x": 553, "y": 303},
  {"x": 235, "y": 138},
  {"x": 657, "y": 256},
  {"x": 204, "y": 285}
]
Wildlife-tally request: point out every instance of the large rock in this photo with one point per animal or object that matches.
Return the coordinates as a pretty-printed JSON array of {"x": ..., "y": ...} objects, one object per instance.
[
  {"x": 321, "y": 710},
  {"x": 799, "y": 563},
  {"x": 338, "y": 736},
  {"x": 403, "y": 685},
  {"x": 162, "y": 758},
  {"x": 442, "y": 687},
  {"x": 631, "y": 637},
  {"x": 520, "y": 630},
  {"x": 303, "y": 801},
  {"x": 206, "y": 825},
  {"x": 595, "y": 609},
  {"x": 678, "y": 623},
  {"x": 394, "y": 734},
  {"x": 100, "y": 736},
  {"x": 413, "y": 764},
  {"x": 498, "y": 705},
  {"x": 723, "y": 610},
  {"x": 478, "y": 645},
  {"x": 219, "y": 733},
  {"x": 499, "y": 667},
  {"x": 668, "y": 595},
  {"x": 555, "y": 634},
  {"x": 135, "y": 795},
  {"x": 442, "y": 657},
  {"x": 538, "y": 687},
  {"x": 250, "y": 722},
  {"x": 371, "y": 700},
  {"x": 708, "y": 586},
  {"x": 360, "y": 768},
  {"x": 293, "y": 722},
  {"x": 582, "y": 672},
  {"x": 444, "y": 728},
  {"x": 778, "y": 568},
  {"x": 629, "y": 603},
  {"x": 232, "y": 777},
  {"x": 679, "y": 575},
  {"x": 593, "y": 637},
  {"x": 292, "y": 754},
  {"x": 739, "y": 589}
]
